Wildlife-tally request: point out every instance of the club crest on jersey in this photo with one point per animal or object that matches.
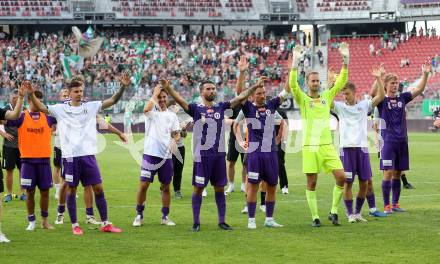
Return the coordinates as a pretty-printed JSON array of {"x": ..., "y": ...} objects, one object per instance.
[
  {"x": 399, "y": 104},
  {"x": 217, "y": 115},
  {"x": 323, "y": 102},
  {"x": 268, "y": 112}
]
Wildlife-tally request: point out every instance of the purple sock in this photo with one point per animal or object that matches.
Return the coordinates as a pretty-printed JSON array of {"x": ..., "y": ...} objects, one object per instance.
[
  {"x": 101, "y": 203},
  {"x": 44, "y": 214},
  {"x": 71, "y": 207},
  {"x": 196, "y": 204},
  {"x": 89, "y": 211},
  {"x": 165, "y": 212},
  {"x": 221, "y": 206},
  {"x": 140, "y": 210},
  {"x": 270, "y": 207},
  {"x": 395, "y": 186},
  {"x": 31, "y": 218},
  {"x": 61, "y": 208},
  {"x": 386, "y": 189},
  {"x": 349, "y": 206},
  {"x": 359, "y": 203},
  {"x": 252, "y": 207},
  {"x": 371, "y": 199}
]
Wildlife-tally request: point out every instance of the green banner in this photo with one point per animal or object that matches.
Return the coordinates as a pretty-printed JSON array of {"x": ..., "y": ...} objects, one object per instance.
[{"x": 429, "y": 106}]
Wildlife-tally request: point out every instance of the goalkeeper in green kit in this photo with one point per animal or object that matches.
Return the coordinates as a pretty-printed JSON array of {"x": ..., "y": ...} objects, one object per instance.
[{"x": 319, "y": 153}]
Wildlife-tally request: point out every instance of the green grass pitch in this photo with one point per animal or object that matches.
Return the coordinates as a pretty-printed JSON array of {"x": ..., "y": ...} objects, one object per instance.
[{"x": 411, "y": 237}]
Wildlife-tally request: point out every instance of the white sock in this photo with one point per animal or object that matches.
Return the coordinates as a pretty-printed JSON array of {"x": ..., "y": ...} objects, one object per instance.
[
  {"x": 269, "y": 218},
  {"x": 75, "y": 225},
  {"x": 372, "y": 210}
]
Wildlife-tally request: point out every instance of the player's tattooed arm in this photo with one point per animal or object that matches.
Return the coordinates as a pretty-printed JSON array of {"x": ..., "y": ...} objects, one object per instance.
[
  {"x": 170, "y": 90},
  {"x": 380, "y": 91},
  {"x": 242, "y": 97},
  {"x": 107, "y": 126},
  {"x": 39, "y": 105},
  {"x": 422, "y": 84},
  {"x": 152, "y": 102},
  {"x": 286, "y": 91},
  {"x": 243, "y": 66},
  {"x": 14, "y": 114},
  {"x": 125, "y": 82}
]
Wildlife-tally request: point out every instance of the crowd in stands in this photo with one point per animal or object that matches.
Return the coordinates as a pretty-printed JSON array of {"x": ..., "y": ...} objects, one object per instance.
[{"x": 184, "y": 58}]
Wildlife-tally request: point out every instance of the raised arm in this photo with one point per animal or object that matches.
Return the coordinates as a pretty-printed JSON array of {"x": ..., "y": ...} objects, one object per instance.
[
  {"x": 243, "y": 66},
  {"x": 242, "y": 97},
  {"x": 286, "y": 91},
  {"x": 375, "y": 86},
  {"x": 40, "y": 106},
  {"x": 380, "y": 95},
  {"x": 343, "y": 75},
  {"x": 422, "y": 84},
  {"x": 125, "y": 82},
  {"x": 170, "y": 90},
  {"x": 293, "y": 76},
  {"x": 152, "y": 102},
  {"x": 14, "y": 114}
]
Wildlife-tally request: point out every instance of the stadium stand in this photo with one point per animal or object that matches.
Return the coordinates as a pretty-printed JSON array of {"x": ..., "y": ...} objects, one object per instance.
[
  {"x": 418, "y": 50},
  {"x": 34, "y": 8},
  {"x": 420, "y": 3},
  {"x": 187, "y": 8},
  {"x": 343, "y": 5}
]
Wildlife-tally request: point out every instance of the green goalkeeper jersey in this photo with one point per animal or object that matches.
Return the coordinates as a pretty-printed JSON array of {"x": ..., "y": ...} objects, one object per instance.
[{"x": 315, "y": 112}]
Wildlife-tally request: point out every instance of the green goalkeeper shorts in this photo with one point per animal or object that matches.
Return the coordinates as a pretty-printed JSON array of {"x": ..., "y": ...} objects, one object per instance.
[{"x": 320, "y": 158}]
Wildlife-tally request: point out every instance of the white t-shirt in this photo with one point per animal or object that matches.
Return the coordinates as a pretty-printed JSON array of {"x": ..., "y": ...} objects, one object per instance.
[
  {"x": 158, "y": 128},
  {"x": 353, "y": 123},
  {"x": 76, "y": 126}
]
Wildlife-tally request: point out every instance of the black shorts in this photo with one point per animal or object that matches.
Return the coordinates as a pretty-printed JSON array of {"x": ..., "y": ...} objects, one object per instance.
[
  {"x": 57, "y": 157},
  {"x": 233, "y": 153},
  {"x": 11, "y": 158}
]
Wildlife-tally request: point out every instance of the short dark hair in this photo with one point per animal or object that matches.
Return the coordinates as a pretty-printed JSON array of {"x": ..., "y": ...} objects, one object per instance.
[
  {"x": 38, "y": 94},
  {"x": 310, "y": 73},
  {"x": 205, "y": 82},
  {"x": 349, "y": 85},
  {"x": 14, "y": 92},
  {"x": 76, "y": 81}
]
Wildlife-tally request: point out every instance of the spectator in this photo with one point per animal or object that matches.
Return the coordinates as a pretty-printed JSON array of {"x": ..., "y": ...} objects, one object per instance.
[
  {"x": 320, "y": 57},
  {"x": 372, "y": 52}
]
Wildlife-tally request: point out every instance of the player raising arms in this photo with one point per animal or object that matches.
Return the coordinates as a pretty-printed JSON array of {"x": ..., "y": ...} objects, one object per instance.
[
  {"x": 76, "y": 124},
  {"x": 262, "y": 150},
  {"x": 162, "y": 130},
  {"x": 208, "y": 145},
  {"x": 394, "y": 154},
  {"x": 318, "y": 150},
  {"x": 353, "y": 143},
  {"x": 9, "y": 115},
  {"x": 34, "y": 142}
]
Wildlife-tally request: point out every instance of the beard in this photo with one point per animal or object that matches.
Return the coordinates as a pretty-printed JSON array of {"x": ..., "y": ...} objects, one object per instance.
[{"x": 210, "y": 98}]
